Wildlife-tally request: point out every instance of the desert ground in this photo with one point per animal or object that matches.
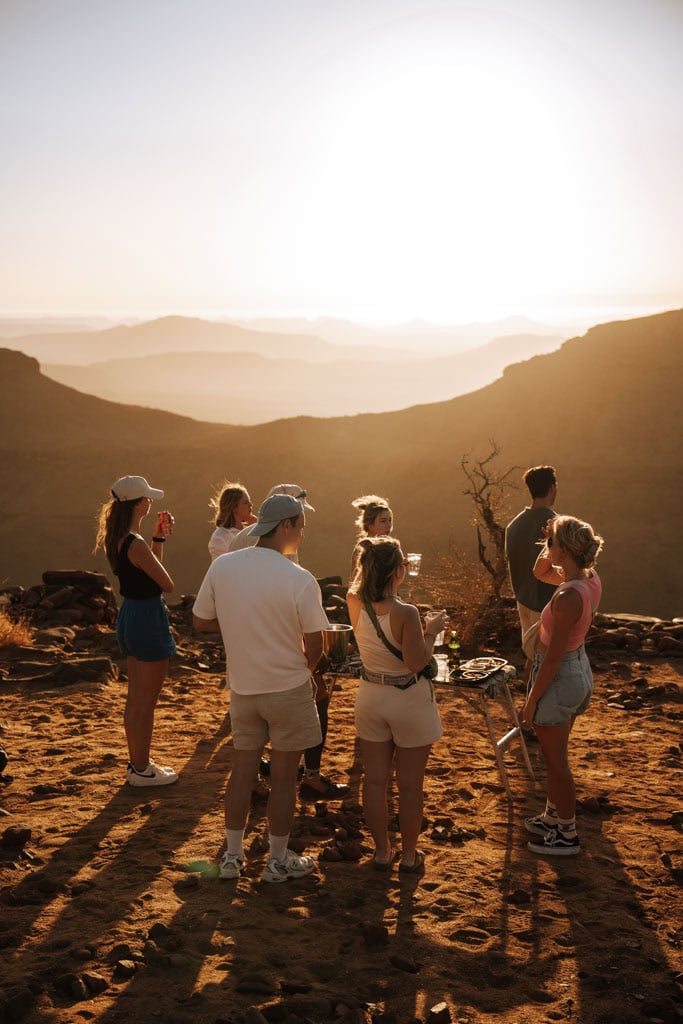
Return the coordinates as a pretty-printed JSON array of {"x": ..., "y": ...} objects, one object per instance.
[{"x": 111, "y": 909}]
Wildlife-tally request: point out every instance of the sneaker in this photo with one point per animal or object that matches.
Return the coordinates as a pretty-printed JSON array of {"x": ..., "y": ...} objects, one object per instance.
[
  {"x": 153, "y": 775},
  {"x": 231, "y": 866},
  {"x": 291, "y": 867},
  {"x": 539, "y": 826},
  {"x": 331, "y": 791},
  {"x": 264, "y": 769},
  {"x": 556, "y": 844}
]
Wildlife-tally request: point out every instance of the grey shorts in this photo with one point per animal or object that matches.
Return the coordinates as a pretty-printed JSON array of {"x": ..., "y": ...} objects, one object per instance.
[
  {"x": 289, "y": 719},
  {"x": 570, "y": 692}
]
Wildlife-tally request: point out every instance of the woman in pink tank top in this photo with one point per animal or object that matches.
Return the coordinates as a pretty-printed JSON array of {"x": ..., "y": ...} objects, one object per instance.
[{"x": 561, "y": 681}]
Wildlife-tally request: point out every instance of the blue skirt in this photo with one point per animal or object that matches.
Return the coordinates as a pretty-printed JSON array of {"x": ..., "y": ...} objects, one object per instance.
[{"x": 143, "y": 630}]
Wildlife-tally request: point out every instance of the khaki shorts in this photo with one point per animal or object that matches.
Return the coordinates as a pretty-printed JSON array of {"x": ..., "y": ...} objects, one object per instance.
[
  {"x": 529, "y": 621},
  {"x": 408, "y": 717},
  {"x": 289, "y": 719}
]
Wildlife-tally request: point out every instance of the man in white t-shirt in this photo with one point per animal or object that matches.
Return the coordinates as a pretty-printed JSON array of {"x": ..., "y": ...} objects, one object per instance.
[{"x": 270, "y": 615}]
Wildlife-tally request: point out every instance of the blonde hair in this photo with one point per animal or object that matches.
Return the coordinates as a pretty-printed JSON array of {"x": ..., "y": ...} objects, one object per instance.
[
  {"x": 225, "y": 501},
  {"x": 579, "y": 539},
  {"x": 113, "y": 524},
  {"x": 378, "y": 560},
  {"x": 369, "y": 506}
]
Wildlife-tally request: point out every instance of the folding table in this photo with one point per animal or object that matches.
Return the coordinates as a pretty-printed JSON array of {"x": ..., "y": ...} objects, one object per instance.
[{"x": 497, "y": 687}]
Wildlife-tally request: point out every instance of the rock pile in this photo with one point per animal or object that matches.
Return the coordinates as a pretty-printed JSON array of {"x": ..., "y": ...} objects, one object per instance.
[{"x": 65, "y": 597}]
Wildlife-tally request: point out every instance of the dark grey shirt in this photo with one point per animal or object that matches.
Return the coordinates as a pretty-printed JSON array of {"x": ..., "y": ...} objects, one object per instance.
[{"x": 522, "y": 548}]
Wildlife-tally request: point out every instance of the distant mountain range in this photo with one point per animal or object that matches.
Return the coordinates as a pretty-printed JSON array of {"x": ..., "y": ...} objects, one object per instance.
[
  {"x": 604, "y": 409},
  {"x": 254, "y": 388}
]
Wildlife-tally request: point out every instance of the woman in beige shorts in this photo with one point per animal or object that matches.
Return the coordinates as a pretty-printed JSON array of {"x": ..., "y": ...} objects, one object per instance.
[{"x": 396, "y": 713}]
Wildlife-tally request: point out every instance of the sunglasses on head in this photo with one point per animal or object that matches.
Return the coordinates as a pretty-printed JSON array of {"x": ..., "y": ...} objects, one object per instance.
[{"x": 549, "y": 540}]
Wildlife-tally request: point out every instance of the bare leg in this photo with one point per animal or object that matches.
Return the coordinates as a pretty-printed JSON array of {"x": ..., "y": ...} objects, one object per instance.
[
  {"x": 145, "y": 679},
  {"x": 410, "y": 772},
  {"x": 377, "y": 762},
  {"x": 561, "y": 791},
  {"x": 282, "y": 799},
  {"x": 238, "y": 789}
]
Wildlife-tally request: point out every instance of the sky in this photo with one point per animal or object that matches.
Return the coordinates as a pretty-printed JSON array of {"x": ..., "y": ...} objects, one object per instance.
[{"x": 380, "y": 160}]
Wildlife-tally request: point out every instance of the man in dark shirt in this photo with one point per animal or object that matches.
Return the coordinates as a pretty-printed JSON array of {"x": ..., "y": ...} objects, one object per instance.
[{"x": 521, "y": 547}]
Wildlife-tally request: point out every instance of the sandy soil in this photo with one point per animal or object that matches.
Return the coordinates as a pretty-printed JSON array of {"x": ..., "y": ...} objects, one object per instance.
[{"x": 490, "y": 930}]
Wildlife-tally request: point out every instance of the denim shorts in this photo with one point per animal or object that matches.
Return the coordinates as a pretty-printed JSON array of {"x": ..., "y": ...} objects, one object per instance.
[
  {"x": 143, "y": 630},
  {"x": 570, "y": 692}
]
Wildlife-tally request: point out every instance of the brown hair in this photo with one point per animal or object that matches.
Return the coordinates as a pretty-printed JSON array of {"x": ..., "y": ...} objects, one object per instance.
[
  {"x": 113, "y": 524},
  {"x": 379, "y": 558},
  {"x": 225, "y": 501},
  {"x": 369, "y": 506},
  {"x": 539, "y": 480}
]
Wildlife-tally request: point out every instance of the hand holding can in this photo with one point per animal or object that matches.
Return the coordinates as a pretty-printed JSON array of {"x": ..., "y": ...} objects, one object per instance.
[{"x": 165, "y": 524}]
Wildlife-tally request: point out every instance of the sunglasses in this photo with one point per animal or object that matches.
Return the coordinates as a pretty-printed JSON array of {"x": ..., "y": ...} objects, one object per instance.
[{"x": 549, "y": 540}]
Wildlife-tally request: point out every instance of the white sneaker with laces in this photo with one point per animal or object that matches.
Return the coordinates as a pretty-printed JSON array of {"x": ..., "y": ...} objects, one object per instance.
[
  {"x": 291, "y": 867},
  {"x": 231, "y": 866},
  {"x": 153, "y": 775}
]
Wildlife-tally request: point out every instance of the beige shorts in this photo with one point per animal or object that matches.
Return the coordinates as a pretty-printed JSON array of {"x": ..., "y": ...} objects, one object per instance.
[
  {"x": 288, "y": 719},
  {"x": 529, "y": 621},
  {"x": 408, "y": 717}
]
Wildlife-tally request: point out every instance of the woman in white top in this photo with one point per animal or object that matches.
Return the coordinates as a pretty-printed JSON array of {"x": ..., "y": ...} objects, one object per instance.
[
  {"x": 396, "y": 713},
  {"x": 375, "y": 519},
  {"x": 233, "y": 509}
]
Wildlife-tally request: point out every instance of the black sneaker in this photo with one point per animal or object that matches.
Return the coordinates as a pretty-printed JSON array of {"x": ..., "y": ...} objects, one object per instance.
[
  {"x": 331, "y": 791},
  {"x": 539, "y": 826},
  {"x": 264, "y": 769},
  {"x": 556, "y": 844}
]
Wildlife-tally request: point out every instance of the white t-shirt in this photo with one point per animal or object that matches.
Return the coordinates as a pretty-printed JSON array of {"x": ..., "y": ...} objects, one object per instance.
[
  {"x": 264, "y": 604},
  {"x": 221, "y": 539}
]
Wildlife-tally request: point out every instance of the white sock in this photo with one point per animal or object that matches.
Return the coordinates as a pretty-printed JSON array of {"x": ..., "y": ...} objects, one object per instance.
[
  {"x": 567, "y": 826},
  {"x": 235, "y": 838},
  {"x": 550, "y": 812},
  {"x": 278, "y": 847}
]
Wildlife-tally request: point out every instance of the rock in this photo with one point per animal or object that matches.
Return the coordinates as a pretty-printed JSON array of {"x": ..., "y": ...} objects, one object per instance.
[
  {"x": 352, "y": 851},
  {"x": 16, "y": 1003},
  {"x": 404, "y": 963},
  {"x": 252, "y": 1015},
  {"x": 439, "y": 1014},
  {"x": 153, "y": 955},
  {"x": 72, "y": 986},
  {"x": 15, "y": 838},
  {"x": 95, "y": 983},
  {"x": 124, "y": 969},
  {"x": 159, "y": 931}
]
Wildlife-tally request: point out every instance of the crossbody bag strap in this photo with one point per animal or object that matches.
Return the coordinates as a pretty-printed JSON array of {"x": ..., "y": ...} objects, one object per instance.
[{"x": 380, "y": 632}]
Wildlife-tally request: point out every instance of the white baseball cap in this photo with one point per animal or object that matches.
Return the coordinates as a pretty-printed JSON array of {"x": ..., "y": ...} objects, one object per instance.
[
  {"x": 293, "y": 490},
  {"x": 132, "y": 488}
]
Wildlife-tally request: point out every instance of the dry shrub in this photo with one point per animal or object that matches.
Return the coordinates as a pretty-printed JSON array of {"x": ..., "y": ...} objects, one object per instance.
[
  {"x": 464, "y": 587},
  {"x": 14, "y": 632}
]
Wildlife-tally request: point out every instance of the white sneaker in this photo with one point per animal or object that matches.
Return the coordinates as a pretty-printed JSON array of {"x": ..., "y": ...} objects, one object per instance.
[
  {"x": 231, "y": 866},
  {"x": 153, "y": 775},
  {"x": 291, "y": 867}
]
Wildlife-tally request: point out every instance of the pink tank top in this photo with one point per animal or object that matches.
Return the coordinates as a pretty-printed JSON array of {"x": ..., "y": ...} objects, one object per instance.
[{"x": 590, "y": 590}]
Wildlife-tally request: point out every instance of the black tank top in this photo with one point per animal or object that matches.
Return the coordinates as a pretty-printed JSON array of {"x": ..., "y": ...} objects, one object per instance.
[{"x": 133, "y": 582}]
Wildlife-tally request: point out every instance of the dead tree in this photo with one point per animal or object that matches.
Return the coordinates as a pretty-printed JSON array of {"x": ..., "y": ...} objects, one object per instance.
[{"x": 487, "y": 488}]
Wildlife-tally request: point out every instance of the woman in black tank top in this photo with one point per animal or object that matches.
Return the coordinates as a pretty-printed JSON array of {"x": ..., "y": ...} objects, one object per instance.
[{"x": 142, "y": 628}]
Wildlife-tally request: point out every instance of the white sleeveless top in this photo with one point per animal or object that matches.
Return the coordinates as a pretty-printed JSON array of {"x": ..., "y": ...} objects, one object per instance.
[{"x": 374, "y": 655}]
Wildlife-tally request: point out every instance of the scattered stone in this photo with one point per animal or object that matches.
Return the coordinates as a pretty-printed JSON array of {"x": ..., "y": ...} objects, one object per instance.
[
  {"x": 439, "y": 1014},
  {"x": 124, "y": 969},
  {"x": 252, "y": 1015},
  {"x": 404, "y": 963},
  {"x": 95, "y": 983},
  {"x": 121, "y": 951},
  {"x": 159, "y": 931},
  {"x": 72, "y": 986},
  {"x": 15, "y": 838}
]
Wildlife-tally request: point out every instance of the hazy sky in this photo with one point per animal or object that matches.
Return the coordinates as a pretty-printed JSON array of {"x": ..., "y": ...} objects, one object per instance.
[{"x": 377, "y": 159}]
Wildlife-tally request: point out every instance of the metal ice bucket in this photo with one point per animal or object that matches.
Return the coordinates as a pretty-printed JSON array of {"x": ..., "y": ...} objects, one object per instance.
[{"x": 336, "y": 642}]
